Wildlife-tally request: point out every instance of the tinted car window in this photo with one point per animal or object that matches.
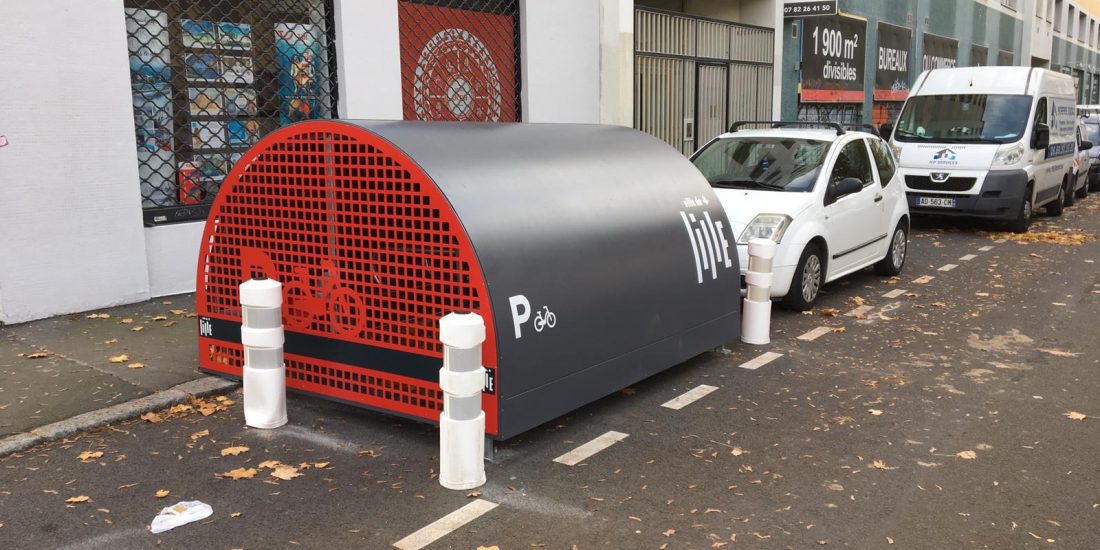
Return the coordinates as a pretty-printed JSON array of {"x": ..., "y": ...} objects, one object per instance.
[
  {"x": 884, "y": 160},
  {"x": 852, "y": 162},
  {"x": 774, "y": 163}
]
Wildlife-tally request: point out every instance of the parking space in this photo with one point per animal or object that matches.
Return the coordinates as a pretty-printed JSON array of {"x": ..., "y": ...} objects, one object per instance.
[{"x": 926, "y": 410}]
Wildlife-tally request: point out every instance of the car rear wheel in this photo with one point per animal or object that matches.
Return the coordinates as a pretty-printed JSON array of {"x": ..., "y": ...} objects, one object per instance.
[
  {"x": 1083, "y": 191},
  {"x": 807, "y": 281},
  {"x": 895, "y": 254}
]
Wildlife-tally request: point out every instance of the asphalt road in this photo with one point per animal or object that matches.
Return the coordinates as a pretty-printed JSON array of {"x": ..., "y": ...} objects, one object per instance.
[{"x": 933, "y": 419}]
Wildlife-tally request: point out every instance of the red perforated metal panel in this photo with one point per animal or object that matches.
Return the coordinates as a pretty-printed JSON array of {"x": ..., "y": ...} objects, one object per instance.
[{"x": 370, "y": 256}]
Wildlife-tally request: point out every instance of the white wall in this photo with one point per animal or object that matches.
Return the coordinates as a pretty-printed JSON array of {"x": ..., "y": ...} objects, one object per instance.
[
  {"x": 617, "y": 62},
  {"x": 368, "y": 55},
  {"x": 560, "y": 65},
  {"x": 70, "y": 216},
  {"x": 173, "y": 252}
]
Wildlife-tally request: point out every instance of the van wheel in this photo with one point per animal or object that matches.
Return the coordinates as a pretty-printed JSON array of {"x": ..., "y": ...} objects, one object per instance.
[
  {"x": 895, "y": 254},
  {"x": 1083, "y": 191},
  {"x": 1023, "y": 217},
  {"x": 807, "y": 281},
  {"x": 1056, "y": 206},
  {"x": 1070, "y": 199}
]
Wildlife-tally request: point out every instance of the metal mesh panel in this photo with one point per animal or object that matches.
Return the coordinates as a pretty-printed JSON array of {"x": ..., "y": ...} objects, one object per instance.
[
  {"x": 209, "y": 77},
  {"x": 369, "y": 253},
  {"x": 460, "y": 60}
]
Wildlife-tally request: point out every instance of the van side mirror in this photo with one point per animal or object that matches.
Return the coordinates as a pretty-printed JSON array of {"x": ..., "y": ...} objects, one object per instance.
[
  {"x": 1086, "y": 145},
  {"x": 844, "y": 187},
  {"x": 1040, "y": 136}
]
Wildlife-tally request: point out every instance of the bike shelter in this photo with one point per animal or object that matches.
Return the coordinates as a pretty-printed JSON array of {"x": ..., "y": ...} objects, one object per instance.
[{"x": 597, "y": 256}]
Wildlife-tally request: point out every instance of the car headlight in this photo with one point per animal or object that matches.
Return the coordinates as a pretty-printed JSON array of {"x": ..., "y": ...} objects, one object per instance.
[
  {"x": 766, "y": 226},
  {"x": 1007, "y": 156}
]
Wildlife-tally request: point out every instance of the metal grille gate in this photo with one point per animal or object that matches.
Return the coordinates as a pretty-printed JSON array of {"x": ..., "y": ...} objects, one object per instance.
[
  {"x": 693, "y": 76},
  {"x": 209, "y": 78}
]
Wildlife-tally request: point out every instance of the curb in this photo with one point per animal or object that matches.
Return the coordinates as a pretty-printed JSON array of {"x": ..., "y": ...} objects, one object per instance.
[{"x": 115, "y": 413}]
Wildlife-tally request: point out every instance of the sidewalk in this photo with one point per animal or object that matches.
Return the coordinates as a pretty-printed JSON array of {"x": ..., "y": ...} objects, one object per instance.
[{"x": 58, "y": 368}]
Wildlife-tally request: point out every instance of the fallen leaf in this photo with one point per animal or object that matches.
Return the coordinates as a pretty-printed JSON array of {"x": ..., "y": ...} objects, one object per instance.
[
  {"x": 137, "y": 329},
  {"x": 669, "y": 533},
  {"x": 181, "y": 408},
  {"x": 320, "y": 465},
  {"x": 235, "y": 515},
  {"x": 38, "y": 355},
  {"x": 234, "y": 451},
  {"x": 169, "y": 324},
  {"x": 162, "y": 493},
  {"x": 269, "y": 464},
  {"x": 151, "y": 417},
  {"x": 127, "y": 486},
  {"x": 967, "y": 455},
  {"x": 737, "y": 451},
  {"x": 889, "y": 540},
  {"x": 369, "y": 452},
  {"x": 240, "y": 473},
  {"x": 494, "y": 547},
  {"x": 160, "y": 318},
  {"x": 473, "y": 494},
  {"x": 939, "y": 304},
  {"x": 88, "y": 456},
  {"x": 195, "y": 436},
  {"x": 1058, "y": 352},
  {"x": 111, "y": 341},
  {"x": 858, "y": 301},
  {"x": 178, "y": 312},
  {"x": 285, "y": 472},
  {"x": 126, "y": 321},
  {"x": 829, "y": 312},
  {"x": 78, "y": 500},
  {"x": 136, "y": 366},
  {"x": 207, "y": 409},
  {"x": 840, "y": 329},
  {"x": 119, "y": 358},
  {"x": 1074, "y": 415},
  {"x": 878, "y": 465},
  {"x": 875, "y": 412}
]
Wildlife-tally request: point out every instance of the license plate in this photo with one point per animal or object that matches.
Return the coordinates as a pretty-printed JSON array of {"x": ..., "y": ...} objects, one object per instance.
[{"x": 937, "y": 202}]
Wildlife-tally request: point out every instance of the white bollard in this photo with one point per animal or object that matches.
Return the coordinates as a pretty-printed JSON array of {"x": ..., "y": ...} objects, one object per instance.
[
  {"x": 757, "y": 311},
  {"x": 462, "y": 422},
  {"x": 262, "y": 338}
]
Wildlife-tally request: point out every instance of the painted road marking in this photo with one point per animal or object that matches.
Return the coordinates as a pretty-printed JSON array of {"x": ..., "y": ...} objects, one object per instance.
[
  {"x": 923, "y": 279},
  {"x": 761, "y": 360},
  {"x": 985, "y": 249},
  {"x": 967, "y": 258},
  {"x": 815, "y": 334},
  {"x": 688, "y": 398},
  {"x": 445, "y": 525},
  {"x": 948, "y": 267},
  {"x": 578, "y": 455},
  {"x": 894, "y": 293},
  {"x": 859, "y": 311}
]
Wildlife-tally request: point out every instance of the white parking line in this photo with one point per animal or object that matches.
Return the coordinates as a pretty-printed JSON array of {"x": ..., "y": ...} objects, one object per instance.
[
  {"x": 576, "y": 456},
  {"x": 688, "y": 398},
  {"x": 967, "y": 258},
  {"x": 948, "y": 267},
  {"x": 859, "y": 311},
  {"x": 894, "y": 293},
  {"x": 761, "y": 360},
  {"x": 445, "y": 525},
  {"x": 815, "y": 334},
  {"x": 923, "y": 279},
  {"x": 985, "y": 249}
]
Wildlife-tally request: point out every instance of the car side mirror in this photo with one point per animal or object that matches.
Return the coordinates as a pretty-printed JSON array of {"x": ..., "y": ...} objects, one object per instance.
[
  {"x": 1040, "y": 136},
  {"x": 1086, "y": 145},
  {"x": 845, "y": 187}
]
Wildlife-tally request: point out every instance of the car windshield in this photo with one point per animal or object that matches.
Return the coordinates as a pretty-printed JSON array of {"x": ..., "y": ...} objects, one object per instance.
[
  {"x": 770, "y": 163},
  {"x": 964, "y": 118},
  {"x": 1092, "y": 132}
]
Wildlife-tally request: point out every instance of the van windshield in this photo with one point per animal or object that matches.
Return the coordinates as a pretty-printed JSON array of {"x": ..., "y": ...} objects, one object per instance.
[
  {"x": 768, "y": 163},
  {"x": 964, "y": 118}
]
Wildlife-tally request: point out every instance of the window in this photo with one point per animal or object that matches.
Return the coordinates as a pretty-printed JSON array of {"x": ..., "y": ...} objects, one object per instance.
[
  {"x": 852, "y": 162},
  {"x": 773, "y": 163},
  {"x": 1041, "y": 111},
  {"x": 209, "y": 78},
  {"x": 964, "y": 118},
  {"x": 1092, "y": 132},
  {"x": 1059, "y": 13},
  {"x": 884, "y": 160}
]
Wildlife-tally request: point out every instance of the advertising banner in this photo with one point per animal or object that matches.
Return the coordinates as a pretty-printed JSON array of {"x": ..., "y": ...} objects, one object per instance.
[
  {"x": 979, "y": 56},
  {"x": 833, "y": 51},
  {"x": 808, "y": 8},
  {"x": 457, "y": 65},
  {"x": 298, "y": 55},
  {"x": 892, "y": 62},
  {"x": 150, "y": 77},
  {"x": 939, "y": 53}
]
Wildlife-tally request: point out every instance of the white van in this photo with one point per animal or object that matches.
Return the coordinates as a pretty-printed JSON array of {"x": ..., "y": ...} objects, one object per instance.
[{"x": 990, "y": 142}]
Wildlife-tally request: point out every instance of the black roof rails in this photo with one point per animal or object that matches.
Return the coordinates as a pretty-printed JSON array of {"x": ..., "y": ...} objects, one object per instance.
[
  {"x": 784, "y": 123},
  {"x": 869, "y": 127}
]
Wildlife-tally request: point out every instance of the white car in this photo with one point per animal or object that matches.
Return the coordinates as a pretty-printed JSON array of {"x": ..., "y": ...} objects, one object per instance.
[{"x": 831, "y": 199}]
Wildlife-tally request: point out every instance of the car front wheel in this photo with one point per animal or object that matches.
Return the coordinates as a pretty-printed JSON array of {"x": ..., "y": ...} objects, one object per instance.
[
  {"x": 808, "y": 278},
  {"x": 895, "y": 255}
]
